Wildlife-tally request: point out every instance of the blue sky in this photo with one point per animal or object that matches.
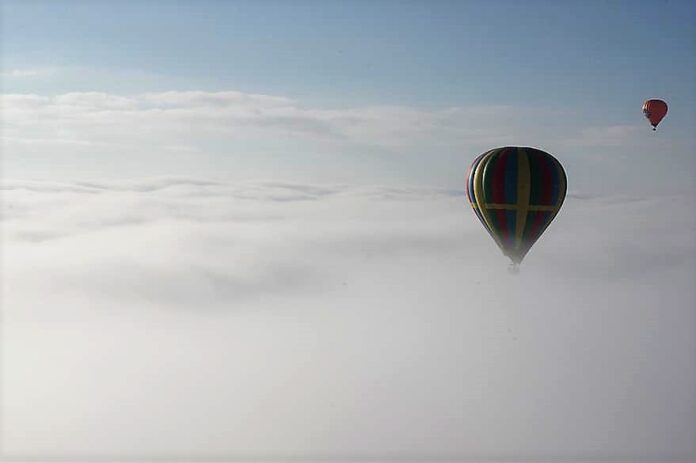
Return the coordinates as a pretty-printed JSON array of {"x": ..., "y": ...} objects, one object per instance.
[
  {"x": 596, "y": 61},
  {"x": 458, "y": 52}
]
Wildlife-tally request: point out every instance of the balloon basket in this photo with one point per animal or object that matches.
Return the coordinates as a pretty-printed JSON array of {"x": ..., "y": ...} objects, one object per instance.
[{"x": 514, "y": 269}]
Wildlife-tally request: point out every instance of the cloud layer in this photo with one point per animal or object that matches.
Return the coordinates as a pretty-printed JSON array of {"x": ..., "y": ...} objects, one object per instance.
[
  {"x": 93, "y": 134},
  {"x": 164, "y": 125},
  {"x": 193, "y": 317}
]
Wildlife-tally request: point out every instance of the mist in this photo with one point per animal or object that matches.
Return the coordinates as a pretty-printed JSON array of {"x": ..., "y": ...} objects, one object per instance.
[{"x": 198, "y": 318}]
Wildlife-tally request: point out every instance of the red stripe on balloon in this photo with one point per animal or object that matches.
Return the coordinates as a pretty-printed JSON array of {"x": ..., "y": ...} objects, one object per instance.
[
  {"x": 535, "y": 229},
  {"x": 498, "y": 187},
  {"x": 546, "y": 181}
]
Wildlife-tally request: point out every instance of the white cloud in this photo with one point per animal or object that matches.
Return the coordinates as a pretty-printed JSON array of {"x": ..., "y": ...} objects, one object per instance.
[
  {"x": 195, "y": 317},
  {"x": 21, "y": 73},
  {"x": 196, "y": 117},
  {"x": 240, "y": 135},
  {"x": 216, "y": 99}
]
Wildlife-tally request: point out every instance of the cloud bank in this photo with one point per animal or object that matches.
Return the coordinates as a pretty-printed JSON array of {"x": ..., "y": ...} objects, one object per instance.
[
  {"x": 198, "y": 318},
  {"x": 94, "y": 134},
  {"x": 94, "y": 117}
]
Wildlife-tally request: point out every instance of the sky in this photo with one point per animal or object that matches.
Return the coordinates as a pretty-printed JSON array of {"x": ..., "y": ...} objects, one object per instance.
[
  {"x": 405, "y": 92},
  {"x": 238, "y": 229}
]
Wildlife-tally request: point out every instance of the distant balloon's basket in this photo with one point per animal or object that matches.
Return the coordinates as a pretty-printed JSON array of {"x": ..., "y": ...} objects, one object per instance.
[{"x": 514, "y": 268}]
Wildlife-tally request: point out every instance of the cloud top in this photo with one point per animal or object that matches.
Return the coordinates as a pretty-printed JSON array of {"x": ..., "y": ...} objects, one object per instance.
[{"x": 280, "y": 318}]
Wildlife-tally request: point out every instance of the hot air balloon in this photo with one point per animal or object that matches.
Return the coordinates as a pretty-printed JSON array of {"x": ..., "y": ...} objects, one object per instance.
[
  {"x": 654, "y": 111},
  {"x": 516, "y": 192}
]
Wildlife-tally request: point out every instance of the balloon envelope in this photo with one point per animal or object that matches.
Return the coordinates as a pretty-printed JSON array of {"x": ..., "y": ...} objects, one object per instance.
[
  {"x": 654, "y": 111},
  {"x": 516, "y": 192}
]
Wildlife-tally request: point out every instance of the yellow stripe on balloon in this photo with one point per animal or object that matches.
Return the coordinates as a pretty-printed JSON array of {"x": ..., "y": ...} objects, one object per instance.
[
  {"x": 523, "y": 191},
  {"x": 562, "y": 185},
  {"x": 479, "y": 196}
]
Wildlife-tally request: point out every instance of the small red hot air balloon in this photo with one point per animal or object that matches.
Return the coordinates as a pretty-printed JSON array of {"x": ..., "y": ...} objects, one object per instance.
[{"x": 654, "y": 111}]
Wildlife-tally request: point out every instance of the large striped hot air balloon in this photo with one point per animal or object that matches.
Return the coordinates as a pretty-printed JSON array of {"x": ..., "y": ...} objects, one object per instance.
[{"x": 516, "y": 192}]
